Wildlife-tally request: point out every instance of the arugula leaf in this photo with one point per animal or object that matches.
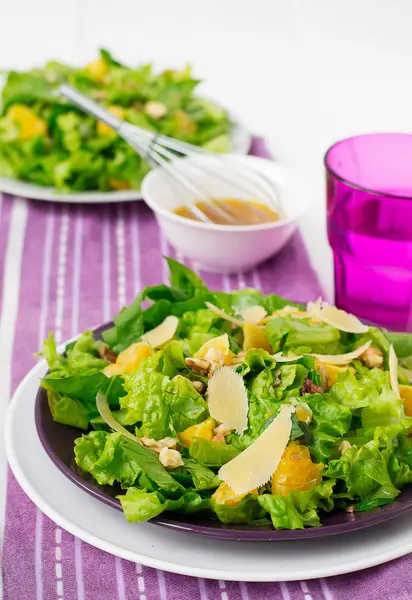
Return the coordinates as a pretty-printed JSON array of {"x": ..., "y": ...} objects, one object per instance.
[
  {"x": 128, "y": 327},
  {"x": 203, "y": 477},
  {"x": 84, "y": 388},
  {"x": 185, "y": 281}
]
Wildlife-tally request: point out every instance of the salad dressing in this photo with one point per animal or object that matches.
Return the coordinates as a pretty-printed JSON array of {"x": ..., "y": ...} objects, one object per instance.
[{"x": 240, "y": 212}]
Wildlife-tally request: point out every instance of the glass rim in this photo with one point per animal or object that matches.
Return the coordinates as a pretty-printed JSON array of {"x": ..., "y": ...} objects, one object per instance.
[{"x": 356, "y": 186}]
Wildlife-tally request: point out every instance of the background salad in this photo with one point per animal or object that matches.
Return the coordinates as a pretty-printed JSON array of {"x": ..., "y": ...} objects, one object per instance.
[
  {"x": 49, "y": 142},
  {"x": 349, "y": 446}
]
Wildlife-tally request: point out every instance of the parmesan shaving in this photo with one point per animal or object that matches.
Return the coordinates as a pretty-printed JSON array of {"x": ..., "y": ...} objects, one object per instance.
[
  {"x": 253, "y": 314},
  {"x": 393, "y": 371},
  {"x": 341, "y": 359},
  {"x": 331, "y": 359},
  {"x": 255, "y": 466},
  {"x": 161, "y": 334},
  {"x": 218, "y": 343},
  {"x": 221, "y": 313},
  {"x": 280, "y": 358},
  {"x": 336, "y": 317},
  {"x": 227, "y": 399},
  {"x": 107, "y": 416}
]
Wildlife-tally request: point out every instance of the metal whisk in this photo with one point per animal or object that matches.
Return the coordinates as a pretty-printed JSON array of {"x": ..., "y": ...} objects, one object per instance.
[{"x": 166, "y": 152}]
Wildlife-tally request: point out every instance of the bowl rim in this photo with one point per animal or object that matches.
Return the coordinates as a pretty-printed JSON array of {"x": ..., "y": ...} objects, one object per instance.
[{"x": 170, "y": 216}]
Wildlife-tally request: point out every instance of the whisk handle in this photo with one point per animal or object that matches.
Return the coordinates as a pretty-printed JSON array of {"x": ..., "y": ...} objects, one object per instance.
[{"x": 90, "y": 106}]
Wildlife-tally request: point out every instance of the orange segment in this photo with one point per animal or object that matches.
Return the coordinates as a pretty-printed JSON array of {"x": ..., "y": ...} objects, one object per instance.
[
  {"x": 97, "y": 69},
  {"x": 102, "y": 128},
  {"x": 254, "y": 337},
  {"x": 203, "y": 430},
  {"x": 296, "y": 471},
  {"x": 128, "y": 360},
  {"x": 27, "y": 120},
  {"x": 330, "y": 373},
  {"x": 406, "y": 395},
  {"x": 119, "y": 184},
  {"x": 225, "y": 495}
]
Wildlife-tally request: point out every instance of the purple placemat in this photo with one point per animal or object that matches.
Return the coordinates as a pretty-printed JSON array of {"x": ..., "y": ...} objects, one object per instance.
[{"x": 79, "y": 265}]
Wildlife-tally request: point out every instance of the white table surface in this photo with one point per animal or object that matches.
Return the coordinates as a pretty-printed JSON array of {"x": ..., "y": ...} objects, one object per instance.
[{"x": 302, "y": 73}]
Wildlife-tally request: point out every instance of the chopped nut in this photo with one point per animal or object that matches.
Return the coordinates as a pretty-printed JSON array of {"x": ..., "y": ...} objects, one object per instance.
[
  {"x": 344, "y": 447},
  {"x": 170, "y": 458},
  {"x": 216, "y": 356},
  {"x": 157, "y": 445},
  {"x": 372, "y": 357},
  {"x": 309, "y": 387},
  {"x": 223, "y": 430},
  {"x": 199, "y": 386},
  {"x": 107, "y": 354},
  {"x": 99, "y": 94},
  {"x": 155, "y": 109},
  {"x": 200, "y": 365},
  {"x": 169, "y": 442},
  {"x": 151, "y": 443},
  {"x": 219, "y": 437}
]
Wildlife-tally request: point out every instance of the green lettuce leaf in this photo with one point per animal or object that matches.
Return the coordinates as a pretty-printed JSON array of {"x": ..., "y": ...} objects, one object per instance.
[
  {"x": 288, "y": 333},
  {"x": 273, "y": 302},
  {"x": 211, "y": 454},
  {"x": 102, "y": 455},
  {"x": 186, "y": 405},
  {"x": 111, "y": 457},
  {"x": 255, "y": 361},
  {"x": 137, "y": 387},
  {"x": 379, "y": 405},
  {"x": 156, "y": 410},
  {"x": 247, "y": 511},
  {"x": 139, "y": 505},
  {"x": 364, "y": 471},
  {"x": 299, "y": 509},
  {"x": 331, "y": 421},
  {"x": 203, "y": 477},
  {"x": 67, "y": 411},
  {"x": 81, "y": 357}
]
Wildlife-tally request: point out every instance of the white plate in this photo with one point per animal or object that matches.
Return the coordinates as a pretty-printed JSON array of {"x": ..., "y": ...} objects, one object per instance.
[
  {"x": 240, "y": 140},
  {"x": 150, "y": 545}
]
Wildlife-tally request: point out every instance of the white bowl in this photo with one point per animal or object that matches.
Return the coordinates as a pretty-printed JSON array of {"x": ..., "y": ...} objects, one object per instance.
[{"x": 224, "y": 248}]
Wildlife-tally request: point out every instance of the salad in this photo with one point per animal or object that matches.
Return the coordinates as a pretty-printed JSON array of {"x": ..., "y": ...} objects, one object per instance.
[
  {"x": 49, "y": 142},
  {"x": 237, "y": 406}
]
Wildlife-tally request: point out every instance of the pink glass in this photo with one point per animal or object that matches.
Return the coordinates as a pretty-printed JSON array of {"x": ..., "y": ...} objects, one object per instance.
[{"x": 369, "y": 219}]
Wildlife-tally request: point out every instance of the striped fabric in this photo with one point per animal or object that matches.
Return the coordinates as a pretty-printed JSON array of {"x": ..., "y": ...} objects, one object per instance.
[{"x": 66, "y": 268}]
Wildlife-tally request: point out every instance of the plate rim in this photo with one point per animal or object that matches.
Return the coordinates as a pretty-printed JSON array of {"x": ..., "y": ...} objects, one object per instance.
[{"x": 55, "y": 515}]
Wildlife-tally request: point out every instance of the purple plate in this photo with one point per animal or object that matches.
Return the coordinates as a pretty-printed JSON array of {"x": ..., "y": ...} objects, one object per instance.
[{"x": 58, "y": 441}]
